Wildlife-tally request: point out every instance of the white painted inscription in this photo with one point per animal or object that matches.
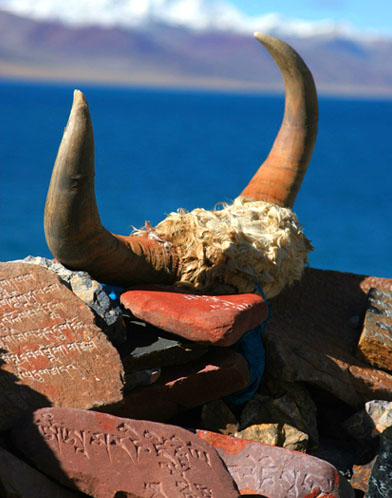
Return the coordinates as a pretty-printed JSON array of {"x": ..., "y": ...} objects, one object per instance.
[
  {"x": 39, "y": 337},
  {"x": 216, "y": 303}
]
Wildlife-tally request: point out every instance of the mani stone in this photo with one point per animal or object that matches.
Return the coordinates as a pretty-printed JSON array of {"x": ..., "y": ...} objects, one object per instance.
[
  {"x": 375, "y": 343},
  {"x": 108, "y": 314},
  {"x": 19, "y": 480},
  {"x": 217, "y": 374},
  {"x": 215, "y": 320},
  {"x": 312, "y": 336},
  {"x": 149, "y": 347},
  {"x": 51, "y": 351},
  {"x": 275, "y": 472},
  {"x": 107, "y": 456}
]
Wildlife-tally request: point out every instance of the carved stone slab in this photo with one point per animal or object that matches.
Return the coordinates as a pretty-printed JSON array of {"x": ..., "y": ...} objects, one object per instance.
[
  {"x": 100, "y": 454},
  {"x": 217, "y": 320},
  {"x": 375, "y": 343},
  {"x": 275, "y": 472},
  {"x": 217, "y": 374},
  {"x": 19, "y": 480},
  {"x": 51, "y": 351}
]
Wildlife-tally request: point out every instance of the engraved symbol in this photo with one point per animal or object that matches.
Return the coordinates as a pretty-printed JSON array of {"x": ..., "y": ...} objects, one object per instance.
[{"x": 156, "y": 490}]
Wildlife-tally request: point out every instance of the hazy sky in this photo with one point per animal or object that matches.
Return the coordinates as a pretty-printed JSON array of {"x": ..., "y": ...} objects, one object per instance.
[{"x": 367, "y": 14}]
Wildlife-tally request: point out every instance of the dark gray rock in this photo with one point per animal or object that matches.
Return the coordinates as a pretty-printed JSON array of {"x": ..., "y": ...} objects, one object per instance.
[
  {"x": 141, "y": 378},
  {"x": 109, "y": 316},
  {"x": 148, "y": 347},
  {"x": 380, "y": 482}
]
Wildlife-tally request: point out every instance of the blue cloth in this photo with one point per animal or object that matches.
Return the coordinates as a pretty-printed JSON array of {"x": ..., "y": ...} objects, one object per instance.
[
  {"x": 114, "y": 293},
  {"x": 251, "y": 346}
]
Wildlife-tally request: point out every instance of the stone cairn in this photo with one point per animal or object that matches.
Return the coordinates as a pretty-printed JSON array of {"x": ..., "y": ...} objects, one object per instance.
[{"x": 161, "y": 397}]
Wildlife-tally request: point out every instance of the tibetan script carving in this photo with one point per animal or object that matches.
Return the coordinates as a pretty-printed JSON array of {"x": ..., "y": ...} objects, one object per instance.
[
  {"x": 51, "y": 351},
  {"x": 273, "y": 471},
  {"x": 99, "y": 451}
]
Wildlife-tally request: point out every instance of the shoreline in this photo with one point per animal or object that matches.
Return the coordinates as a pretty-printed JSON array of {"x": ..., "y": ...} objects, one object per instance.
[{"x": 158, "y": 81}]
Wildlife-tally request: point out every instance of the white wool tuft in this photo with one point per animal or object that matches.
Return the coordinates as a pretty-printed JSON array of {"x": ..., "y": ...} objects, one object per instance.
[{"x": 230, "y": 249}]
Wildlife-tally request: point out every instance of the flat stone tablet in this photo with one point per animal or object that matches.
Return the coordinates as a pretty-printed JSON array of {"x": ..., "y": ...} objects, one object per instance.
[
  {"x": 274, "y": 472},
  {"x": 101, "y": 455},
  {"x": 51, "y": 351},
  {"x": 217, "y": 374},
  {"x": 217, "y": 320}
]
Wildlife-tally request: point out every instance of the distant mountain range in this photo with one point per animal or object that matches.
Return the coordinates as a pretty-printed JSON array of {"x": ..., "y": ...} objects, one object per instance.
[{"x": 165, "y": 54}]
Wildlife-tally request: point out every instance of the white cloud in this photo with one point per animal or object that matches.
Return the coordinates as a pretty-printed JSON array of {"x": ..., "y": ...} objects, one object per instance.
[{"x": 195, "y": 14}]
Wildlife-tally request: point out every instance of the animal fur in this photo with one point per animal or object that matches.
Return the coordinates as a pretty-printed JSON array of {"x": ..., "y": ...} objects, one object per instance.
[{"x": 229, "y": 249}]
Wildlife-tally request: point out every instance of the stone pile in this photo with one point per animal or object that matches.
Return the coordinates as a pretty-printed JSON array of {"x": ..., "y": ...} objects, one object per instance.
[{"x": 160, "y": 400}]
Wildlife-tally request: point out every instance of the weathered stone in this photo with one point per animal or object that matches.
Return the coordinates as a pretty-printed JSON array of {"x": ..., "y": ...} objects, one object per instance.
[
  {"x": 380, "y": 412},
  {"x": 179, "y": 388},
  {"x": 102, "y": 455},
  {"x": 148, "y": 347},
  {"x": 360, "y": 426},
  {"x": 283, "y": 435},
  {"x": 294, "y": 439},
  {"x": 295, "y": 407},
  {"x": 375, "y": 343},
  {"x": 19, "y": 480},
  {"x": 52, "y": 353},
  {"x": 380, "y": 301},
  {"x": 217, "y": 320},
  {"x": 109, "y": 316},
  {"x": 380, "y": 482},
  {"x": 375, "y": 419},
  {"x": 216, "y": 416},
  {"x": 361, "y": 475},
  {"x": 311, "y": 337},
  {"x": 275, "y": 472}
]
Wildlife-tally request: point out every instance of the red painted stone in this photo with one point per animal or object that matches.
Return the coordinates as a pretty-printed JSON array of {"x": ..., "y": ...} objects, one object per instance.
[
  {"x": 102, "y": 455},
  {"x": 217, "y": 374},
  {"x": 217, "y": 320},
  {"x": 275, "y": 472},
  {"x": 51, "y": 351}
]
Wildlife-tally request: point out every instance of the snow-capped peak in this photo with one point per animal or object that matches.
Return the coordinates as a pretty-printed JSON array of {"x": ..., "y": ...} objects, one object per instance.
[{"x": 193, "y": 14}]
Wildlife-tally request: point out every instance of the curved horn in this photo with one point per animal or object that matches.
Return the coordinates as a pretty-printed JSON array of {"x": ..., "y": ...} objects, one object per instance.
[
  {"x": 73, "y": 229},
  {"x": 280, "y": 176}
]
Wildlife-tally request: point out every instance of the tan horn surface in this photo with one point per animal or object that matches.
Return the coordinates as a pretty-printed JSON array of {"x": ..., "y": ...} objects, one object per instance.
[
  {"x": 73, "y": 229},
  {"x": 280, "y": 176}
]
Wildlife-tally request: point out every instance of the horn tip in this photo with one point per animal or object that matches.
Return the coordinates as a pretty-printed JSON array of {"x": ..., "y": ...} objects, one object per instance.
[
  {"x": 261, "y": 36},
  {"x": 79, "y": 98}
]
